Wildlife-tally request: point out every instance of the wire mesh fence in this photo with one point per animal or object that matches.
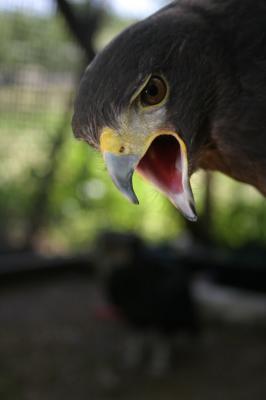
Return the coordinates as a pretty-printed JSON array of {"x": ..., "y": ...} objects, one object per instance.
[
  {"x": 55, "y": 188},
  {"x": 50, "y": 185},
  {"x": 38, "y": 74}
]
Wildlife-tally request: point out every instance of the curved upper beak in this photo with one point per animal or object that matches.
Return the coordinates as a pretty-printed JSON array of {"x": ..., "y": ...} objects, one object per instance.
[{"x": 121, "y": 169}]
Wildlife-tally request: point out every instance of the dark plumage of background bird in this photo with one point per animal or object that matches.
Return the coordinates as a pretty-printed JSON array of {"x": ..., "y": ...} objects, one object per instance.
[
  {"x": 150, "y": 288},
  {"x": 181, "y": 90},
  {"x": 146, "y": 288}
]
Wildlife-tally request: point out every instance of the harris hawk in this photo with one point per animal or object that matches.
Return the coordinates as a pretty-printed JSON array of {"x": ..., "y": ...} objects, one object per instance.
[{"x": 181, "y": 90}]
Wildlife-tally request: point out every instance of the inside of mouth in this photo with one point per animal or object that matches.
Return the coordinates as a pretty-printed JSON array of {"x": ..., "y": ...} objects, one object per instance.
[{"x": 162, "y": 164}]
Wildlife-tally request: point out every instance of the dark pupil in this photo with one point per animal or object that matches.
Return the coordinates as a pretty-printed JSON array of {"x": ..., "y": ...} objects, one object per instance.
[{"x": 152, "y": 90}]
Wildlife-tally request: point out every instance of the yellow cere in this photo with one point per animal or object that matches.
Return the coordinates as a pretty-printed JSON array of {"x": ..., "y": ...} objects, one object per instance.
[
  {"x": 111, "y": 142},
  {"x": 121, "y": 144}
]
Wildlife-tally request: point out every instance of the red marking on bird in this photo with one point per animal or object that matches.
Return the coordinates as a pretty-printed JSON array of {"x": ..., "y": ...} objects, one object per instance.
[{"x": 107, "y": 313}]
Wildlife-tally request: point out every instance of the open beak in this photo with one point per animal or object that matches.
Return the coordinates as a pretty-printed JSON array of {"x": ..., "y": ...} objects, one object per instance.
[{"x": 162, "y": 160}]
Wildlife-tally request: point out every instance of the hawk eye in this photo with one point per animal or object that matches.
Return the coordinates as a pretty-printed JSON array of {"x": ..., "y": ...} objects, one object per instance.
[{"x": 154, "y": 92}]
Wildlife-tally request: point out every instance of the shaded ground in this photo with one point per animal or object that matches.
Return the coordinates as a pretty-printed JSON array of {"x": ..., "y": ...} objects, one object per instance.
[{"x": 53, "y": 348}]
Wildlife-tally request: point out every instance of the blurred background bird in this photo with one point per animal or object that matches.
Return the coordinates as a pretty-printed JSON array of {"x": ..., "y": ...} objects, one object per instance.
[{"x": 147, "y": 289}]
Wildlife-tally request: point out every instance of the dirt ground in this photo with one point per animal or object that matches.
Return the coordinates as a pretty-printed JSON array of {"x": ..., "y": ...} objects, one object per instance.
[{"x": 53, "y": 348}]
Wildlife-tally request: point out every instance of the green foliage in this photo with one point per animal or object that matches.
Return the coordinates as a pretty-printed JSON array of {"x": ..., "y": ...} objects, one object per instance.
[
  {"x": 82, "y": 198},
  {"x": 43, "y": 41},
  {"x": 239, "y": 212}
]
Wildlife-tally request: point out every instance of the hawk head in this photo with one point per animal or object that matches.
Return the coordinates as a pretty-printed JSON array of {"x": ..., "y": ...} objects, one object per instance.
[{"x": 146, "y": 103}]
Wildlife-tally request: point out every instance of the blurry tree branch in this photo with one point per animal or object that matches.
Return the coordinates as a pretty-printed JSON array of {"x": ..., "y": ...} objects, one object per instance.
[
  {"x": 21, "y": 267},
  {"x": 39, "y": 210},
  {"x": 82, "y": 25}
]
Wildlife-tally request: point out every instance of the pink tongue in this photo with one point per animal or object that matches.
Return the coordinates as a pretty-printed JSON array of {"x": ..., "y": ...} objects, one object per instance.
[{"x": 159, "y": 164}]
